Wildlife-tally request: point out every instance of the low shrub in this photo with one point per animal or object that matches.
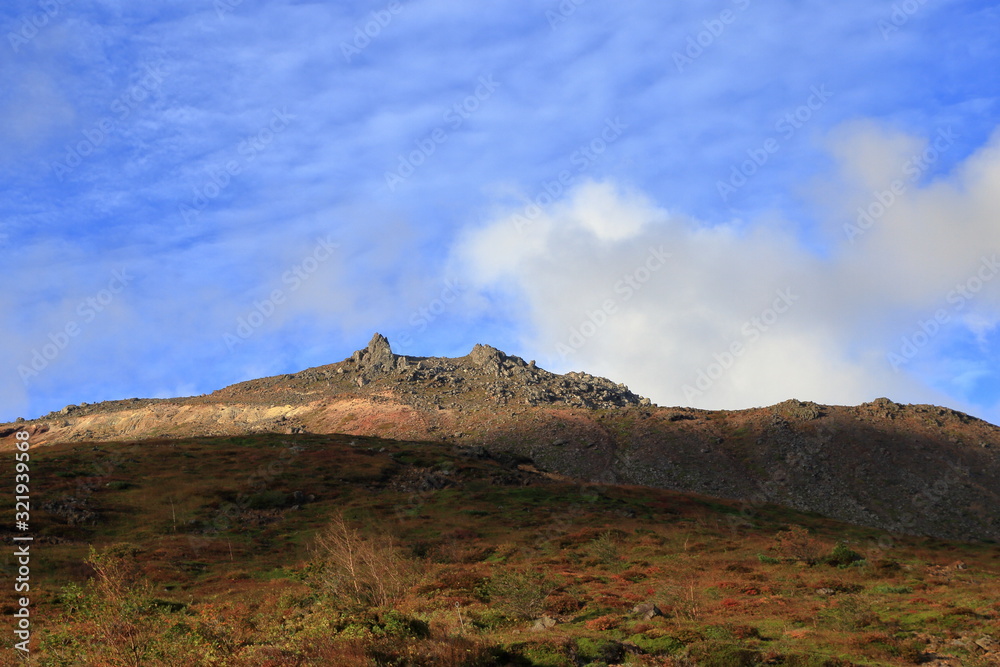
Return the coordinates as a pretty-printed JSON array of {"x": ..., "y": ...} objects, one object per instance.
[
  {"x": 852, "y": 612},
  {"x": 842, "y": 556},
  {"x": 517, "y": 593},
  {"x": 796, "y": 544}
]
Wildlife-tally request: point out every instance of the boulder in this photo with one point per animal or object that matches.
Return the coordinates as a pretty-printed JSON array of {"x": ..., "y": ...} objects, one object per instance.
[
  {"x": 988, "y": 644},
  {"x": 646, "y": 611},
  {"x": 542, "y": 624}
]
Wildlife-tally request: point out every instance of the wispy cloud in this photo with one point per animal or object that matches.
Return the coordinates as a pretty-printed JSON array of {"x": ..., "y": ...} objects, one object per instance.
[{"x": 201, "y": 81}]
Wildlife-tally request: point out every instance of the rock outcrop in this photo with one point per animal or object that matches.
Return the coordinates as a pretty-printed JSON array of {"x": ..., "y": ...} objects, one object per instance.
[
  {"x": 906, "y": 468},
  {"x": 485, "y": 372}
]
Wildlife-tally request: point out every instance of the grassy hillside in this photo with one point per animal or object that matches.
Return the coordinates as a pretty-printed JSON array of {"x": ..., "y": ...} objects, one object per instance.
[{"x": 339, "y": 550}]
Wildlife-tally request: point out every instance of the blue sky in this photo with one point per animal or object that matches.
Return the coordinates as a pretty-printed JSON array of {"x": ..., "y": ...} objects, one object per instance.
[{"x": 721, "y": 204}]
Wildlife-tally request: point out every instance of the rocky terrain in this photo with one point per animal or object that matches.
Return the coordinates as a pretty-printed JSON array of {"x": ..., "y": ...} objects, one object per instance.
[{"x": 916, "y": 469}]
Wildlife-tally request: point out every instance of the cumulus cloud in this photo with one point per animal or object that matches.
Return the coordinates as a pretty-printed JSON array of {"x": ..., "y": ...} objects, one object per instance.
[{"x": 743, "y": 314}]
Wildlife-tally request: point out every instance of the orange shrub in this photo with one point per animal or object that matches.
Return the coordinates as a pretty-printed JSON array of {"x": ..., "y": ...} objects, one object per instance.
[{"x": 602, "y": 623}]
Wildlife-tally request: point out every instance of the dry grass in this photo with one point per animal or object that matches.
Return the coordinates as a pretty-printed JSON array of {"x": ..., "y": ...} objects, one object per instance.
[{"x": 456, "y": 577}]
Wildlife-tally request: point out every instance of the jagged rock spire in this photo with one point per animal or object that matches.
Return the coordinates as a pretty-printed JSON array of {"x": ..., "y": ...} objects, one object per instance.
[
  {"x": 379, "y": 346},
  {"x": 377, "y": 356}
]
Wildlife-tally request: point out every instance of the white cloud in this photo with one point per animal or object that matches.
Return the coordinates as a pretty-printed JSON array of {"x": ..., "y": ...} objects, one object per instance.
[{"x": 808, "y": 326}]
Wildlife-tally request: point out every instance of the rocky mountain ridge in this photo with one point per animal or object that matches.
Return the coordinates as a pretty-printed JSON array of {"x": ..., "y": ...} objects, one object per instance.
[
  {"x": 505, "y": 379},
  {"x": 909, "y": 468}
]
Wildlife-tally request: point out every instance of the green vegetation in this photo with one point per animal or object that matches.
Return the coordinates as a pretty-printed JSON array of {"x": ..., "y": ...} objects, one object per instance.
[{"x": 329, "y": 550}]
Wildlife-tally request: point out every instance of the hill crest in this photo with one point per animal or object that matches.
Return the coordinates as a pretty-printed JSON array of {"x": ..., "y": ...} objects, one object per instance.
[{"x": 910, "y": 468}]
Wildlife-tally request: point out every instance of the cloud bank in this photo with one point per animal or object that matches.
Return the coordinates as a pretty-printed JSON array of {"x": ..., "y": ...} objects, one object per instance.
[{"x": 903, "y": 289}]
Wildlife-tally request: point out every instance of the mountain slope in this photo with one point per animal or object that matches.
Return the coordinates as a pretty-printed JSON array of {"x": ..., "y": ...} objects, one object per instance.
[
  {"x": 214, "y": 543},
  {"x": 913, "y": 469}
]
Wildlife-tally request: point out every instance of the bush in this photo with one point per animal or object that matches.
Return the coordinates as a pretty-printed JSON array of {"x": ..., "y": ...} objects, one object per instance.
[
  {"x": 518, "y": 594},
  {"x": 606, "y": 548},
  {"x": 560, "y": 604},
  {"x": 356, "y": 572},
  {"x": 853, "y": 612},
  {"x": 842, "y": 556},
  {"x": 796, "y": 544},
  {"x": 386, "y": 623},
  {"x": 603, "y": 623},
  {"x": 119, "y": 601}
]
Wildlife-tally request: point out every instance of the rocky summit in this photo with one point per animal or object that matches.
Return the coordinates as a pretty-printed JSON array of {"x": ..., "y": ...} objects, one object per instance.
[
  {"x": 485, "y": 374},
  {"x": 916, "y": 469}
]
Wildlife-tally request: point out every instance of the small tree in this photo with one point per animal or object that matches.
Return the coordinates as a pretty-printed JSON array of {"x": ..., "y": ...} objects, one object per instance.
[
  {"x": 606, "y": 548},
  {"x": 355, "y": 571},
  {"x": 119, "y": 602}
]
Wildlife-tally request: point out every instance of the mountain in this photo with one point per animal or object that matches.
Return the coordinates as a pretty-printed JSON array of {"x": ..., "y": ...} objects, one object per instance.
[
  {"x": 389, "y": 510},
  {"x": 915, "y": 469}
]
